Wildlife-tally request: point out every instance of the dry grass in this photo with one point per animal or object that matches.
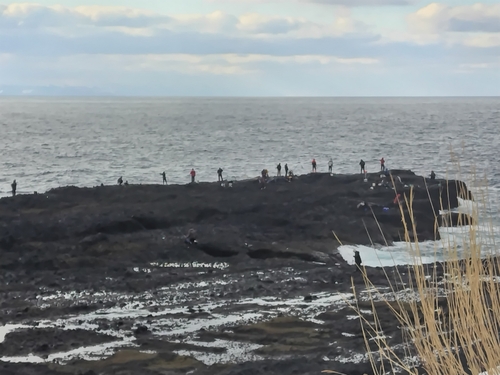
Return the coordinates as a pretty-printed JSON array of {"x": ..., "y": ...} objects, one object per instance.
[{"x": 451, "y": 325}]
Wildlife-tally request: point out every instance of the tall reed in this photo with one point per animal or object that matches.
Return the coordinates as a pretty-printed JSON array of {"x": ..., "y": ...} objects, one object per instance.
[{"x": 451, "y": 324}]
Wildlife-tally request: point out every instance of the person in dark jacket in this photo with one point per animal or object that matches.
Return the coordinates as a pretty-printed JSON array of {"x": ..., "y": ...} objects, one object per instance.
[
  {"x": 362, "y": 165},
  {"x": 14, "y": 187},
  {"x": 357, "y": 260}
]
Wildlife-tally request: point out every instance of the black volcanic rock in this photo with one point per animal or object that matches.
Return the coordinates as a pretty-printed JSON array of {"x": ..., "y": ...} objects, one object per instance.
[
  {"x": 253, "y": 242},
  {"x": 90, "y": 227}
]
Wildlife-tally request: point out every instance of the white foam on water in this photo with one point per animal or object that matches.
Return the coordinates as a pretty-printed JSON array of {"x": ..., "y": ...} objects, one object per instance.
[
  {"x": 299, "y": 278},
  {"x": 321, "y": 300},
  {"x": 388, "y": 256},
  {"x": 30, "y": 358},
  {"x": 235, "y": 352},
  {"x": 467, "y": 206},
  {"x": 454, "y": 242},
  {"x": 352, "y": 358},
  {"x": 8, "y": 328},
  {"x": 216, "y": 265},
  {"x": 203, "y": 284},
  {"x": 88, "y": 353},
  {"x": 171, "y": 321}
]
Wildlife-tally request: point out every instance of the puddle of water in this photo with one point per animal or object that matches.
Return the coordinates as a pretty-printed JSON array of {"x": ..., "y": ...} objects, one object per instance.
[{"x": 166, "y": 315}]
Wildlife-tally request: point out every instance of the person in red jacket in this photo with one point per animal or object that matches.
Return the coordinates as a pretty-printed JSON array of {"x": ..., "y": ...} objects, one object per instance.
[
  {"x": 314, "y": 165},
  {"x": 382, "y": 164},
  {"x": 193, "y": 175}
]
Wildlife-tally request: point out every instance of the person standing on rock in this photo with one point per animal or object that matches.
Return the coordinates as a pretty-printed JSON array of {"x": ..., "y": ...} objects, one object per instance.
[
  {"x": 262, "y": 183},
  {"x": 433, "y": 175},
  {"x": 120, "y": 181},
  {"x": 14, "y": 187},
  {"x": 278, "y": 167},
  {"x": 286, "y": 170},
  {"x": 313, "y": 165},
  {"x": 193, "y": 175},
  {"x": 357, "y": 260},
  {"x": 330, "y": 165},
  {"x": 164, "y": 175},
  {"x": 382, "y": 164},
  {"x": 362, "y": 165},
  {"x": 219, "y": 174}
]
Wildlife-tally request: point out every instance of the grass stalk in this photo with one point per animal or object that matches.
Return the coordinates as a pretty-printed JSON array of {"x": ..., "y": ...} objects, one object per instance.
[{"x": 452, "y": 323}]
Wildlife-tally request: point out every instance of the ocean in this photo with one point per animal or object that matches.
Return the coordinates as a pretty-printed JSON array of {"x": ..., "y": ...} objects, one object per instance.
[{"x": 52, "y": 142}]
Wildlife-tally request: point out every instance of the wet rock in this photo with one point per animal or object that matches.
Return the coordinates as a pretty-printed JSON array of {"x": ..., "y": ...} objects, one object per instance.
[
  {"x": 48, "y": 340},
  {"x": 310, "y": 298},
  {"x": 287, "y": 220},
  {"x": 269, "y": 240},
  {"x": 141, "y": 330},
  {"x": 93, "y": 239},
  {"x": 453, "y": 219},
  {"x": 43, "y": 348},
  {"x": 7, "y": 242}
]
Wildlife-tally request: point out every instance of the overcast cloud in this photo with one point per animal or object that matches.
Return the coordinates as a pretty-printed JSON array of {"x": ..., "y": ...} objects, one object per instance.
[{"x": 432, "y": 49}]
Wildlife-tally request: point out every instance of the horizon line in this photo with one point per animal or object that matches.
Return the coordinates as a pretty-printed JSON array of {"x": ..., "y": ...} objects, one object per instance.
[{"x": 246, "y": 97}]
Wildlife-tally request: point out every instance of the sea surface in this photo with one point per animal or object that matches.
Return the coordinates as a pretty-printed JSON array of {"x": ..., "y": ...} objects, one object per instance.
[{"x": 52, "y": 142}]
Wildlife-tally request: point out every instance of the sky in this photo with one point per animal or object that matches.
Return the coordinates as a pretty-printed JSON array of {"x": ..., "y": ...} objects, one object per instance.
[{"x": 251, "y": 47}]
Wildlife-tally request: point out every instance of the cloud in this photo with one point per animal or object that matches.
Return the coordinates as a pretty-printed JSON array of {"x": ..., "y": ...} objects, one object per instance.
[
  {"x": 139, "y": 52},
  {"x": 358, "y": 3},
  {"x": 345, "y": 3},
  {"x": 179, "y": 74},
  {"x": 86, "y": 20},
  {"x": 29, "y": 15},
  {"x": 475, "y": 25},
  {"x": 261, "y": 24},
  {"x": 219, "y": 64}
]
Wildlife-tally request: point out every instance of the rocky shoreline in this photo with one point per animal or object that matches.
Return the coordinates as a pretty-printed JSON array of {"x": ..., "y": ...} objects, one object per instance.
[{"x": 101, "y": 281}]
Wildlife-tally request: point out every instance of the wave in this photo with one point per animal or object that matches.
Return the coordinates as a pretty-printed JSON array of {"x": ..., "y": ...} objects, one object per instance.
[{"x": 454, "y": 242}]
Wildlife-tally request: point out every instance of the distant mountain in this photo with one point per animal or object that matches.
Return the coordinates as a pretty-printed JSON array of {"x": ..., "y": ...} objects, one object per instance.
[{"x": 52, "y": 91}]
